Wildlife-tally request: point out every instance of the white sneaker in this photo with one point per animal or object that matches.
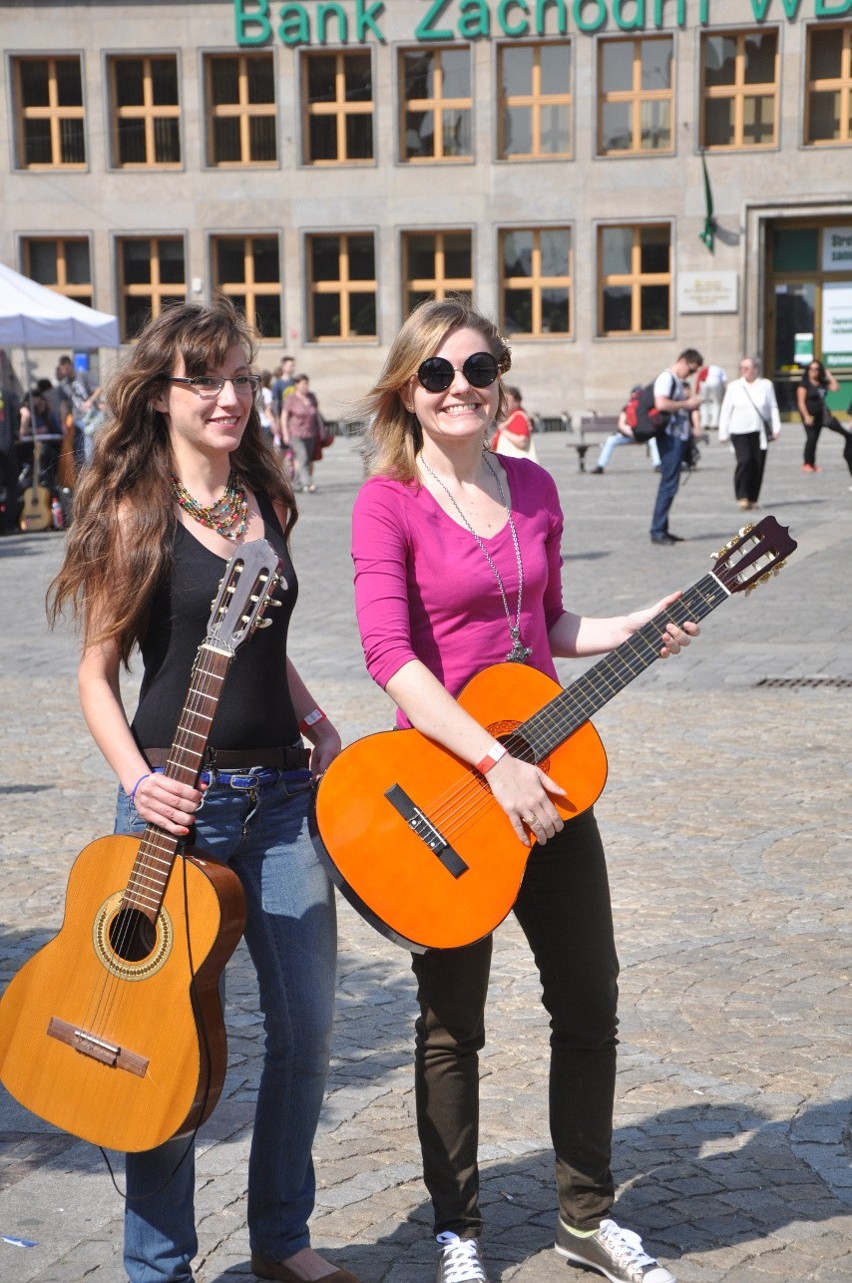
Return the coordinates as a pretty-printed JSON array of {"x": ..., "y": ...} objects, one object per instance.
[
  {"x": 615, "y": 1252},
  {"x": 460, "y": 1261}
]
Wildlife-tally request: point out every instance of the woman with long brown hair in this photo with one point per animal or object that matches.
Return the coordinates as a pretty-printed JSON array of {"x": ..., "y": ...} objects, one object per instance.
[
  {"x": 179, "y": 478},
  {"x": 458, "y": 566}
]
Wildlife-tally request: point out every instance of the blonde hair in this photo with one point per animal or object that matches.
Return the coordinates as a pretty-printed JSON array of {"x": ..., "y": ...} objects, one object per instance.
[
  {"x": 118, "y": 547},
  {"x": 394, "y": 436}
]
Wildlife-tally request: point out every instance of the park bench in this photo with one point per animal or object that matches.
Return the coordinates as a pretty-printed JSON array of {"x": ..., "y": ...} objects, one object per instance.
[{"x": 591, "y": 429}]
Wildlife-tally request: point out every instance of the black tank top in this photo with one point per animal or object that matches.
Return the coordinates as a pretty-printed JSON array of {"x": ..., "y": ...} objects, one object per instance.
[{"x": 255, "y": 709}]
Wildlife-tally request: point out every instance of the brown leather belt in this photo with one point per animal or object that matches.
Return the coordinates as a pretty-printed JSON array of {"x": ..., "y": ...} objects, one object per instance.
[{"x": 290, "y": 757}]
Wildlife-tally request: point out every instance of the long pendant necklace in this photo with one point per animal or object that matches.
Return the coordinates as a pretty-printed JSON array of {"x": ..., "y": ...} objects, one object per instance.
[
  {"x": 519, "y": 652},
  {"x": 228, "y": 516}
]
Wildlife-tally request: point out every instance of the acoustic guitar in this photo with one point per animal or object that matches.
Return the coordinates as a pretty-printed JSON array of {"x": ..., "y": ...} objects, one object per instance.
[
  {"x": 113, "y": 1031},
  {"x": 35, "y": 512},
  {"x": 412, "y": 835}
]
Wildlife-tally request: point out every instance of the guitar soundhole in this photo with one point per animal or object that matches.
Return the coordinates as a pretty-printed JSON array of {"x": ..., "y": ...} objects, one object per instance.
[{"x": 131, "y": 935}]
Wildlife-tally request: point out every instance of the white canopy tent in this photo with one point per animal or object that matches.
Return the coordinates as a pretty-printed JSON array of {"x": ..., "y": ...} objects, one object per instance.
[{"x": 33, "y": 316}]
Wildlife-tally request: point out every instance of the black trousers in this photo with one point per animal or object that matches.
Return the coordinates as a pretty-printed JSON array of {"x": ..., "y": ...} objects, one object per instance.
[
  {"x": 751, "y": 460},
  {"x": 812, "y": 437},
  {"x": 565, "y": 913}
]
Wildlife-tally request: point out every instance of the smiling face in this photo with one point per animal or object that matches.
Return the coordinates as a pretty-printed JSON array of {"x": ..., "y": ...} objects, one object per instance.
[
  {"x": 209, "y": 424},
  {"x": 461, "y": 412}
]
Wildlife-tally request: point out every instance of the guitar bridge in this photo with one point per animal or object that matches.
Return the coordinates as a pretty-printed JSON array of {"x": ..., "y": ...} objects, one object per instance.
[
  {"x": 89, "y": 1045},
  {"x": 420, "y": 824}
]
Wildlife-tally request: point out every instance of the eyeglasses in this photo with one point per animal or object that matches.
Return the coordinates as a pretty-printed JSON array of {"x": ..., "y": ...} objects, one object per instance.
[
  {"x": 209, "y": 385},
  {"x": 436, "y": 373}
]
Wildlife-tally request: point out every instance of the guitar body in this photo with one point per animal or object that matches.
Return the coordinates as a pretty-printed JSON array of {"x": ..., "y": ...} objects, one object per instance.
[
  {"x": 388, "y": 872},
  {"x": 114, "y": 1030},
  {"x": 35, "y": 513}
]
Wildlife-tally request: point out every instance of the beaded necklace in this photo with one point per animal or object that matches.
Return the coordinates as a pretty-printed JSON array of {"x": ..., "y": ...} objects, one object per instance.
[{"x": 228, "y": 516}]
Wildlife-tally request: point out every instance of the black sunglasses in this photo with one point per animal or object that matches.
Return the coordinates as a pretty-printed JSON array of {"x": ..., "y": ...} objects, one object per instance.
[{"x": 436, "y": 374}]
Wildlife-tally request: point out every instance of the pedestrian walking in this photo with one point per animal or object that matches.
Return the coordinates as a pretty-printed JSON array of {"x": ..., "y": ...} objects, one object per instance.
[
  {"x": 750, "y": 420},
  {"x": 673, "y": 397},
  {"x": 816, "y": 382},
  {"x": 303, "y": 432},
  {"x": 180, "y": 477},
  {"x": 436, "y": 498}
]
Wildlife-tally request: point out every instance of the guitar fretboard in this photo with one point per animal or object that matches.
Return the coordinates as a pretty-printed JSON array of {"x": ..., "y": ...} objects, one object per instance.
[
  {"x": 552, "y": 724},
  {"x": 149, "y": 878}
]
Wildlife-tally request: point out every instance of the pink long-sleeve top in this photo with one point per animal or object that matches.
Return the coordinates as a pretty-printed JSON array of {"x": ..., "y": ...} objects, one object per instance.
[{"x": 424, "y": 589}]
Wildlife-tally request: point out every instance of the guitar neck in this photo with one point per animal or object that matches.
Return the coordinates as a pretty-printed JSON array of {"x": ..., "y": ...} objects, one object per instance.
[
  {"x": 552, "y": 724},
  {"x": 149, "y": 878}
]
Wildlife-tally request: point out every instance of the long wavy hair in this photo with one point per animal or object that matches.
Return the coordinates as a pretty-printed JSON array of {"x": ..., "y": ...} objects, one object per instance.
[
  {"x": 394, "y": 436},
  {"x": 119, "y": 545}
]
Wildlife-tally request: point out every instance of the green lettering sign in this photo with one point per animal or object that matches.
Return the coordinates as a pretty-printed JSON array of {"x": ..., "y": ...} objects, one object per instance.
[
  {"x": 325, "y": 13},
  {"x": 541, "y": 8},
  {"x": 253, "y": 25},
  {"x": 294, "y": 27},
  {"x": 637, "y": 22},
  {"x": 594, "y": 23},
  {"x": 474, "y": 19},
  {"x": 823, "y": 9},
  {"x": 521, "y": 28},
  {"x": 424, "y": 29},
  {"x": 366, "y": 18}
]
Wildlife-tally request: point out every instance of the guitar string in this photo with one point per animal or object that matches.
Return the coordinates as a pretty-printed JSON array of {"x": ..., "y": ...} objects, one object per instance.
[
  {"x": 107, "y": 1002},
  {"x": 460, "y": 805}
]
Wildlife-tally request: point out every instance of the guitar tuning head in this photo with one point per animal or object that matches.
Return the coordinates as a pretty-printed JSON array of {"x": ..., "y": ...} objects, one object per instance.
[{"x": 263, "y": 623}]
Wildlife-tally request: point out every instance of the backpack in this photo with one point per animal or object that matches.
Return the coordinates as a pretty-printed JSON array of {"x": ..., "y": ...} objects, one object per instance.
[{"x": 642, "y": 415}]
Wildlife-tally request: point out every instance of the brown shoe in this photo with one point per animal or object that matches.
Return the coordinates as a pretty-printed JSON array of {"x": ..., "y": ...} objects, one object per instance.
[{"x": 265, "y": 1267}]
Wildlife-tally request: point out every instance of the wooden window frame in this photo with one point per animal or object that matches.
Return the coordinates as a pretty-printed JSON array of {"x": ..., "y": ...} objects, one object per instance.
[
  {"x": 437, "y": 104},
  {"x": 536, "y": 101},
  {"x": 440, "y": 285},
  {"x": 340, "y": 108},
  {"x": 83, "y": 293},
  {"x": 243, "y": 110},
  {"x": 156, "y": 289},
  {"x": 344, "y": 286},
  {"x": 636, "y": 96},
  {"x": 249, "y": 288},
  {"x": 635, "y": 278},
  {"x": 739, "y": 91},
  {"x": 53, "y": 112},
  {"x": 537, "y": 282},
  {"x": 148, "y": 112},
  {"x": 831, "y": 84}
]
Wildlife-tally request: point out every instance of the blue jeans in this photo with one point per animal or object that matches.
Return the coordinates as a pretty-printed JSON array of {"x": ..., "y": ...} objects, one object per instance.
[
  {"x": 617, "y": 439},
  {"x": 291, "y": 935},
  {"x": 672, "y": 452}
]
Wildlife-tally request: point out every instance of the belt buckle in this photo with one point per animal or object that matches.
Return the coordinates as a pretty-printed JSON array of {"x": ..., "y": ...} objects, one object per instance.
[{"x": 250, "y": 779}]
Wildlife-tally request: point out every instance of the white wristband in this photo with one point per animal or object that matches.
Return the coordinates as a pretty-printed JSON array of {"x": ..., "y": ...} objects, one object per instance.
[{"x": 492, "y": 757}]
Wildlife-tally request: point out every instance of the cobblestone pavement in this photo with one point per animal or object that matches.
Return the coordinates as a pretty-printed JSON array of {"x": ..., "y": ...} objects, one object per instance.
[{"x": 727, "y": 821}]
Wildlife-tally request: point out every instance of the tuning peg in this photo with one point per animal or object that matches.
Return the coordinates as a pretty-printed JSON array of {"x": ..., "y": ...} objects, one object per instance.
[
  {"x": 263, "y": 623},
  {"x": 273, "y": 601}
]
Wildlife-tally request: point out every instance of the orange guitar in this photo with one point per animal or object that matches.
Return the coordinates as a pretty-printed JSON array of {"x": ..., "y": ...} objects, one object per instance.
[
  {"x": 412, "y": 835},
  {"x": 114, "y": 1031}
]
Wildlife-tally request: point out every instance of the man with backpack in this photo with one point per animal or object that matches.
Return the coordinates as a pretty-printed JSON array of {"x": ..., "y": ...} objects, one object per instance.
[{"x": 673, "y": 399}]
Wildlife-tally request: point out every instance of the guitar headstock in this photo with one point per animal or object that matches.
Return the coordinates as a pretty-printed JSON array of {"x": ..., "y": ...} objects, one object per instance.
[
  {"x": 244, "y": 593},
  {"x": 753, "y": 555}
]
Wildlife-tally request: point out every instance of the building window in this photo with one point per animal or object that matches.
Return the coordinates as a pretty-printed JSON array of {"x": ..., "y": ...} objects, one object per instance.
[
  {"x": 436, "y": 104},
  {"x": 146, "y": 111},
  {"x": 338, "y": 108},
  {"x": 241, "y": 126},
  {"x": 342, "y": 287},
  {"x": 50, "y": 113},
  {"x": 740, "y": 89},
  {"x": 635, "y": 96},
  {"x": 635, "y": 279},
  {"x": 151, "y": 277},
  {"x": 63, "y": 265},
  {"x": 829, "y": 93},
  {"x": 535, "y": 100},
  {"x": 247, "y": 269},
  {"x": 535, "y": 285},
  {"x": 435, "y": 264}
]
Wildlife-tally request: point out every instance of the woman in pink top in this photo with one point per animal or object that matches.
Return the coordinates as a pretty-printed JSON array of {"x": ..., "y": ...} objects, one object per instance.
[{"x": 458, "y": 566}]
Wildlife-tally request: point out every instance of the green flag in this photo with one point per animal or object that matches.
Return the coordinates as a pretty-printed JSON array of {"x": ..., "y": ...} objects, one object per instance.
[{"x": 708, "y": 235}]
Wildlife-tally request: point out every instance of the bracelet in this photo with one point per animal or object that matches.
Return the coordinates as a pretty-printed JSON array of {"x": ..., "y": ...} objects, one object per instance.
[
  {"x": 492, "y": 757},
  {"x": 311, "y": 719},
  {"x": 132, "y": 793}
]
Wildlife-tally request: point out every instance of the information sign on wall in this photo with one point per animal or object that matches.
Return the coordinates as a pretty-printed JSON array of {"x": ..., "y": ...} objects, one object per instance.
[
  {"x": 837, "y": 323},
  {"x": 707, "y": 292},
  {"x": 837, "y": 249}
]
